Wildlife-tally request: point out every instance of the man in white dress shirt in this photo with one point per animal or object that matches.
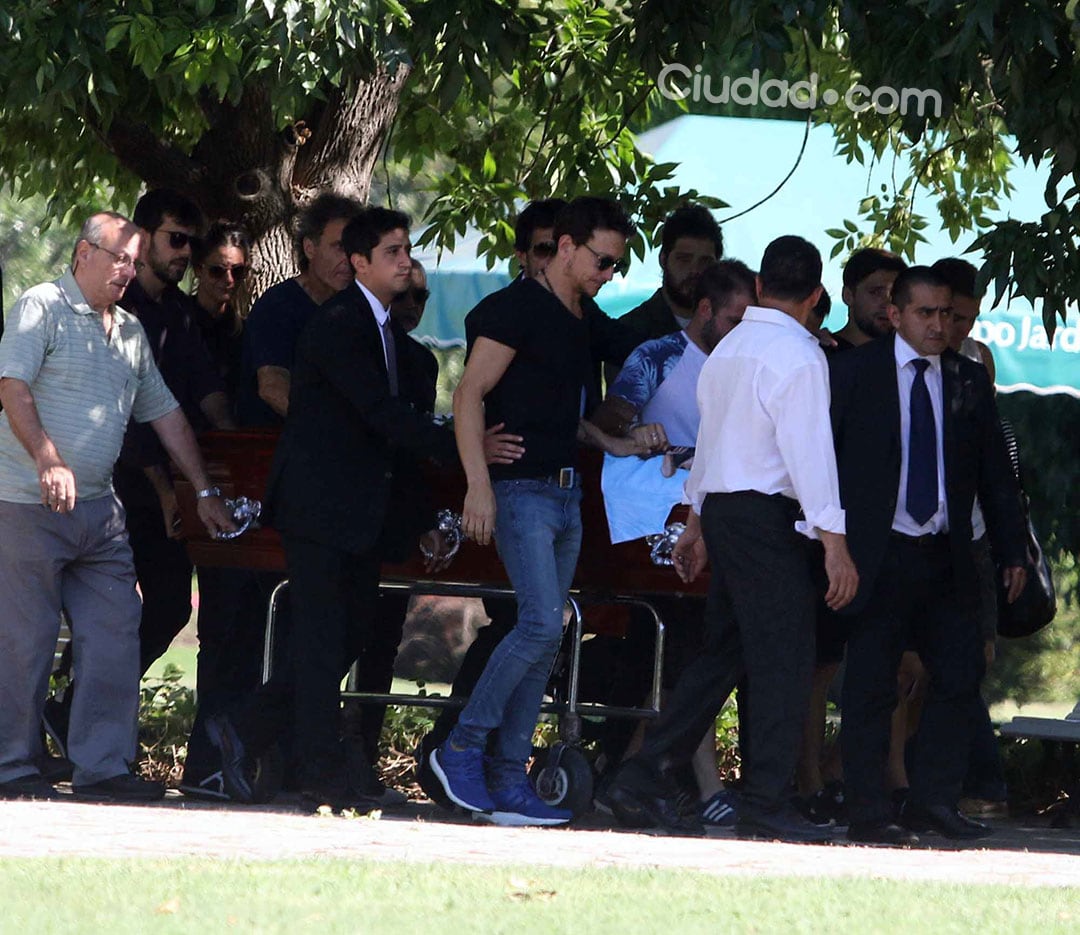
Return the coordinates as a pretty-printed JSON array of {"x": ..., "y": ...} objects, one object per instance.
[{"x": 764, "y": 452}]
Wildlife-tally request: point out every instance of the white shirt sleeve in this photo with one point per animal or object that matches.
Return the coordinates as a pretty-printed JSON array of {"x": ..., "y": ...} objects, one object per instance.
[{"x": 799, "y": 406}]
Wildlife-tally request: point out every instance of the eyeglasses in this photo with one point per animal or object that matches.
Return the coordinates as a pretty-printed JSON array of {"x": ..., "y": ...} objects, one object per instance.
[
  {"x": 544, "y": 248},
  {"x": 605, "y": 262},
  {"x": 120, "y": 260},
  {"x": 238, "y": 272},
  {"x": 178, "y": 239}
]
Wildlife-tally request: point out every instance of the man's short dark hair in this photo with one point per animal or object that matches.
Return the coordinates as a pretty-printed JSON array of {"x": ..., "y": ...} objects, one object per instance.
[
  {"x": 790, "y": 269},
  {"x": 869, "y": 260},
  {"x": 721, "y": 280},
  {"x": 363, "y": 233},
  {"x": 536, "y": 214},
  {"x": 150, "y": 210},
  {"x": 312, "y": 221},
  {"x": 915, "y": 276},
  {"x": 960, "y": 276},
  {"x": 691, "y": 221},
  {"x": 221, "y": 234},
  {"x": 582, "y": 217}
]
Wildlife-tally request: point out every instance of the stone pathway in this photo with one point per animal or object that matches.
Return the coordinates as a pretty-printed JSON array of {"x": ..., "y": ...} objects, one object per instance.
[{"x": 1021, "y": 854}]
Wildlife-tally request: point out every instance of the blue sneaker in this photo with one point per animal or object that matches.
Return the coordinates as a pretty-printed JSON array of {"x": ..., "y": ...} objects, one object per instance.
[
  {"x": 519, "y": 806},
  {"x": 721, "y": 811},
  {"x": 461, "y": 773}
]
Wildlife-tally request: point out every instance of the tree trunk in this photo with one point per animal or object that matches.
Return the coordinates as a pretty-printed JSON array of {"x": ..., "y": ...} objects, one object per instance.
[{"x": 250, "y": 170}]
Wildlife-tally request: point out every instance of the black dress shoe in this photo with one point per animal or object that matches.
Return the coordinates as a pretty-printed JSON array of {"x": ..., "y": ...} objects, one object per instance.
[
  {"x": 882, "y": 833},
  {"x": 785, "y": 824},
  {"x": 227, "y": 741},
  {"x": 946, "y": 820},
  {"x": 33, "y": 786},
  {"x": 122, "y": 788},
  {"x": 639, "y": 798}
]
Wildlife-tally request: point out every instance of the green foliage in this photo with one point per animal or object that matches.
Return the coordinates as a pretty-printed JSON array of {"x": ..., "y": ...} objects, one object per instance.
[
  {"x": 523, "y": 100},
  {"x": 32, "y": 249},
  {"x": 166, "y": 715}
]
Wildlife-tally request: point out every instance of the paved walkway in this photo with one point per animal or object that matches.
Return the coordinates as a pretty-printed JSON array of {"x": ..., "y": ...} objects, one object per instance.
[{"x": 1022, "y": 854}]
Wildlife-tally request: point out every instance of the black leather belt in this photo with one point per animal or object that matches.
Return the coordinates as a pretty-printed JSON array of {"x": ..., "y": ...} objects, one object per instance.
[{"x": 930, "y": 540}]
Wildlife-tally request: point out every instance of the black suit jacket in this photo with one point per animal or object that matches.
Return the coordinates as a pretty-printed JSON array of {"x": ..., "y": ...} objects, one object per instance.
[
  {"x": 866, "y": 430},
  {"x": 334, "y": 478}
]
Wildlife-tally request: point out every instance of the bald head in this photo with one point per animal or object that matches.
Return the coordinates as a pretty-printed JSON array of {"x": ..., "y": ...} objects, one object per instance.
[{"x": 103, "y": 261}]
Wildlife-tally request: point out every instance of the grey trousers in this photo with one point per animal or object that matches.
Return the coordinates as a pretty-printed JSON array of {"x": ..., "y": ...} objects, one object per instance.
[{"x": 81, "y": 563}]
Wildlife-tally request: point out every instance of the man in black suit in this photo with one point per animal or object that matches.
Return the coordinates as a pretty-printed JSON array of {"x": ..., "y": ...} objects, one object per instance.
[
  {"x": 355, "y": 415},
  {"x": 917, "y": 436}
]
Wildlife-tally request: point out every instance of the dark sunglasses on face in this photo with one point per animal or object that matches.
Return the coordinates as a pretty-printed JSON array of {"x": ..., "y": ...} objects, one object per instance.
[
  {"x": 605, "y": 262},
  {"x": 420, "y": 296},
  {"x": 220, "y": 272},
  {"x": 544, "y": 248},
  {"x": 178, "y": 239}
]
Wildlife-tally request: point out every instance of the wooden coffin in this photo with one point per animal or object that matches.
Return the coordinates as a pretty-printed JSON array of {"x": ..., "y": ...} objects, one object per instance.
[{"x": 239, "y": 463}]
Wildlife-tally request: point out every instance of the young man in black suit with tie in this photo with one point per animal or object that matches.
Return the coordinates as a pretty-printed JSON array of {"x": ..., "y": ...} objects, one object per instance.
[
  {"x": 917, "y": 436},
  {"x": 356, "y": 418}
]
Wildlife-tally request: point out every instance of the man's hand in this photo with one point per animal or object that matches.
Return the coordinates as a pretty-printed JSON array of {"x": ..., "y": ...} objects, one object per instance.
[
  {"x": 1015, "y": 577},
  {"x": 57, "y": 486},
  {"x": 478, "y": 514},
  {"x": 502, "y": 447},
  {"x": 689, "y": 553},
  {"x": 214, "y": 515},
  {"x": 436, "y": 551},
  {"x": 649, "y": 439},
  {"x": 840, "y": 569}
]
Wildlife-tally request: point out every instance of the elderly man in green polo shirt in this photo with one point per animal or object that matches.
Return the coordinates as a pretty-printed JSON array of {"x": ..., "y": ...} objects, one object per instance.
[{"x": 73, "y": 368}]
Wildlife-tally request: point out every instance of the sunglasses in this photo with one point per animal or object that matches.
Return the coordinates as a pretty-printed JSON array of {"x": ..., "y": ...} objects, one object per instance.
[
  {"x": 417, "y": 297},
  {"x": 178, "y": 239},
  {"x": 238, "y": 272},
  {"x": 544, "y": 248},
  {"x": 605, "y": 262}
]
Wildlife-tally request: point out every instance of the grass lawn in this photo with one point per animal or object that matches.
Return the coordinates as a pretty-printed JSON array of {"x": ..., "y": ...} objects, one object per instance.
[{"x": 120, "y": 896}]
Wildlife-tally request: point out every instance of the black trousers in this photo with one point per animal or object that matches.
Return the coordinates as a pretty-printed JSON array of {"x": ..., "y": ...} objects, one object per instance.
[
  {"x": 915, "y": 602},
  {"x": 161, "y": 565},
  {"x": 231, "y": 626},
  {"x": 759, "y": 623},
  {"x": 333, "y": 596}
]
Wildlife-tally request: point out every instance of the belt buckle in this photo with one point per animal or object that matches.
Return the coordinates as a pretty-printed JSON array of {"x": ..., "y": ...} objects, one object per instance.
[{"x": 567, "y": 476}]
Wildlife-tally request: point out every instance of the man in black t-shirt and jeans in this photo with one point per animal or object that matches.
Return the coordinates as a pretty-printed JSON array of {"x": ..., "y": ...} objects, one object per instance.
[{"x": 528, "y": 367}]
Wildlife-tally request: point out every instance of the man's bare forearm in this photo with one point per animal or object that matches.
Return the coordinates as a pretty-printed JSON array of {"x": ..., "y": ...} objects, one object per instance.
[
  {"x": 179, "y": 442},
  {"x": 25, "y": 422}
]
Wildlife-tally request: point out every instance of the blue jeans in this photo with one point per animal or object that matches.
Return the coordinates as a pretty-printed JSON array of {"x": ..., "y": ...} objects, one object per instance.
[{"x": 538, "y": 535}]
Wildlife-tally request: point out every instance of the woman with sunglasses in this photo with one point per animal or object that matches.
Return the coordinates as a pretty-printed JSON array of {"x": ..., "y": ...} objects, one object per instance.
[{"x": 221, "y": 262}]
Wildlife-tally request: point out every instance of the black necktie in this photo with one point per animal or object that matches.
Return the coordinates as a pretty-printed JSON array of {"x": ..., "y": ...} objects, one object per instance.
[
  {"x": 922, "y": 480},
  {"x": 391, "y": 356}
]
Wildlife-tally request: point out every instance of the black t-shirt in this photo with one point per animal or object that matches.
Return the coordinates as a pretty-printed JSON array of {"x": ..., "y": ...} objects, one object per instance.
[
  {"x": 183, "y": 359},
  {"x": 270, "y": 334},
  {"x": 540, "y": 396}
]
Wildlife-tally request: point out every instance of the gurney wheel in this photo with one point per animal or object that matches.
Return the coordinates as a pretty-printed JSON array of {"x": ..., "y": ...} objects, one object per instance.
[{"x": 564, "y": 779}]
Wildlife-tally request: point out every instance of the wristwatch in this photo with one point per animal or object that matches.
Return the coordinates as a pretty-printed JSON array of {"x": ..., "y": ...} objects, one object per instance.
[{"x": 208, "y": 492}]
